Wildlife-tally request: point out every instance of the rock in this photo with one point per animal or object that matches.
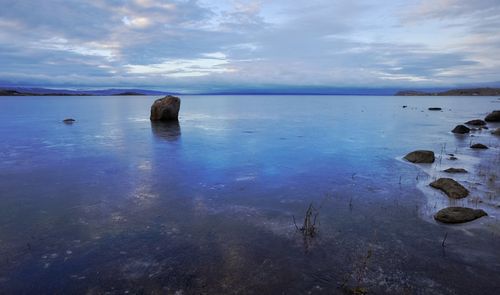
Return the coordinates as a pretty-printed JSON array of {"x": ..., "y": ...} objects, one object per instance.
[
  {"x": 461, "y": 129},
  {"x": 420, "y": 156},
  {"x": 476, "y": 122},
  {"x": 69, "y": 121},
  {"x": 455, "y": 170},
  {"x": 452, "y": 158},
  {"x": 493, "y": 117},
  {"x": 496, "y": 132},
  {"x": 166, "y": 109},
  {"x": 404, "y": 107},
  {"x": 478, "y": 146},
  {"x": 450, "y": 187},
  {"x": 458, "y": 214},
  {"x": 434, "y": 109}
]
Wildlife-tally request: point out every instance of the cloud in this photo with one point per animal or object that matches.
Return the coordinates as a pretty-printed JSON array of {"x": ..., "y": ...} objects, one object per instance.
[
  {"x": 215, "y": 62},
  {"x": 232, "y": 43}
]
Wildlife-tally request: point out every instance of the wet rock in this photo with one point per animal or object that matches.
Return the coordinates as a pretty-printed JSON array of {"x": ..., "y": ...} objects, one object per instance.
[
  {"x": 493, "y": 117},
  {"x": 455, "y": 170},
  {"x": 420, "y": 156},
  {"x": 478, "y": 146},
  {"x": 452, "y": 158},
  {"x": 69, "y": 121},
  {"x": 461, "y": 129},
  {"x": 496, "y": 132},
  {"x": 434, "y": 109},
  {"x": 476, "y": 122},
  {"x": 450, "y": 187},
  {"x": 166, "y": 109},
  {"x": 458, "y": 214},
  {"x": 404, "y": 107}
]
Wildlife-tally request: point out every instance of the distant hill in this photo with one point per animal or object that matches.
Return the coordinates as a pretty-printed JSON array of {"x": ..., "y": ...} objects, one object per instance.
[
  {"x": 23, "y": 91},
  {"x": 453, "y": 92}
]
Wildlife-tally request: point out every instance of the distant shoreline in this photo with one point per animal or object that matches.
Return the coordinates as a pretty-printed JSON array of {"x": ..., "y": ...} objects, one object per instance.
[
  {"x": 453, "y": 92},
  {"x": 20, "y": 91}
]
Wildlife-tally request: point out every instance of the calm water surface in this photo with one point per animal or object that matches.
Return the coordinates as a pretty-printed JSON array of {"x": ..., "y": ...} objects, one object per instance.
[{"x": 114, "y": 203}]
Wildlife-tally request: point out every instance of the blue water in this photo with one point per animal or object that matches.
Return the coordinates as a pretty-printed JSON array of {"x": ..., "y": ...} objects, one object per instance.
[{"x": 114, "y": 203}]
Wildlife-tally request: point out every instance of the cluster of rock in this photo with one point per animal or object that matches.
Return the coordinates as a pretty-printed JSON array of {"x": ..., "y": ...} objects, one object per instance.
[
  {"x": 450, "y": 187},
  {"x": 479, "y": 124}
]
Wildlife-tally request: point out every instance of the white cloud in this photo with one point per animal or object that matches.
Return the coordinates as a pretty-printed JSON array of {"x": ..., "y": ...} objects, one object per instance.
[
  {"x": 210, "y": 63},
  {"x": 236, "y": 42},
  {"x": 85, "y": 49},
  {"x": 137, "y": 22}
]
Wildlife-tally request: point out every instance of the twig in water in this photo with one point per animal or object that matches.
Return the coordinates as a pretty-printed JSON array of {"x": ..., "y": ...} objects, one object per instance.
[
  {"x": 309, "y": 228},
  {"x": 293, "y": 216},
  {"x": 444, "y": 240}
]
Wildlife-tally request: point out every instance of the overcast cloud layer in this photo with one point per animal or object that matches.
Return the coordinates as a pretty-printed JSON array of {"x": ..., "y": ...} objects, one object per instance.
[{"x": 227, "y": 44}]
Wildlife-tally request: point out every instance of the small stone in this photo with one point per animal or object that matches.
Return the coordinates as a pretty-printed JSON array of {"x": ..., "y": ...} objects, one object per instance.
[
  {"x": 476, "y": 122},
  {"x": 458, "y": 214},
  {"x": 69, "y": 121},
  {"x": 420, "y": 156},
  {"x": 434, "y": 109},
  {"x": 450, "y": 187},
  {"x": 455, "y": 170},
  {"x": 478, "y": 146},
  {"x": 493, "y": 116},
  {"x": 460, "y": 129}
]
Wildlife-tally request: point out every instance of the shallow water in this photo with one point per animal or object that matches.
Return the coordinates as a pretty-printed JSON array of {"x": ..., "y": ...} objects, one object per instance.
[{"x": 113, "y": 203}]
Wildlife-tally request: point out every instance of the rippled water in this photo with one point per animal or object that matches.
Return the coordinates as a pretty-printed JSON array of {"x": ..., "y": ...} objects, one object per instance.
[{"x": 113, "y": 203}]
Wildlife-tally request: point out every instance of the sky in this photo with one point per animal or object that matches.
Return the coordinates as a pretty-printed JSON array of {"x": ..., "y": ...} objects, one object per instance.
[{"x": 202, "y": 45}]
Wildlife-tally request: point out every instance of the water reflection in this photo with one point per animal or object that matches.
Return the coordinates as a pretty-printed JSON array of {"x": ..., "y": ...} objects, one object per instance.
[{"x": 170, "y": 131}]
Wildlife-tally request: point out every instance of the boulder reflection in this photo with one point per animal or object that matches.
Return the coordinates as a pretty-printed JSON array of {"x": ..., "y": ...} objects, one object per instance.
[{"x": 170, "y": 131}]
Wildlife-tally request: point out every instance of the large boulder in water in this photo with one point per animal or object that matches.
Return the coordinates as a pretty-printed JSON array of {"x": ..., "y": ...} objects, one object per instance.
[
  {"x": 166, "y": 109},
  {"x": 461, "y": 129},
  {"x": 450, "y": 187},
  {"x": 493, "y": 117},
  {"x": 420, "y": 156},
  {"x": 458, "y": 214},
  {"x": 496, "y": 132}
]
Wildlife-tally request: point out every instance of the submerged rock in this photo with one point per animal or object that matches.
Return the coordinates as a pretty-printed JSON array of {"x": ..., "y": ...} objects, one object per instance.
[
  {"x": 478, "y": 146},
  {"x": 493, "y": 117},
  {"x": 458, "y": 214},
  {"x": 461, "y": 129},
  {"x": 420, "y": 156},
  {"x": 166, "y": 109},
  {"x": 434, "y": 109},
  {"x": 455, "y": 170},
  {"x": 496, "y": 132},
  {"x": 69, "y": 121},
  {"x": 450, "y": 187},
  {"x": 476, "y": 122}
]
